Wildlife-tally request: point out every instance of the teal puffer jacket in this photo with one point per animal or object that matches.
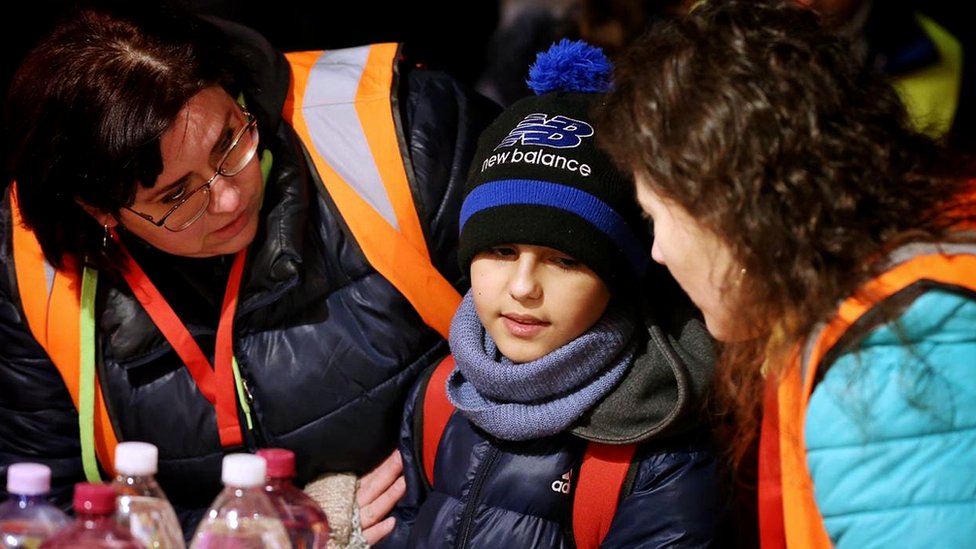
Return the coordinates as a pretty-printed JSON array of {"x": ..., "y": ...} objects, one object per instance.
[{"x": 891, "y": 431}]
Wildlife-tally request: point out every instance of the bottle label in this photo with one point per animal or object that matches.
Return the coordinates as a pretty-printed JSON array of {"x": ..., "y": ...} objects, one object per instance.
[
  {"x": 21, "y": 534},
  {"x": 150, "y": 521},
  {"x": 262, "y": 533}
]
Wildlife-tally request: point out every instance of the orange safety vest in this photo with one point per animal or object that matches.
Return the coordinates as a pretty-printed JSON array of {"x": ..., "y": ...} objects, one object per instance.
[
  {"x": 605, "y": 476},
  {"x": 788, "y": 514},
  {"x": 352, "y": 136},
  {"x": 340, "y": 104},
  {"x": 54, "y": 311}
]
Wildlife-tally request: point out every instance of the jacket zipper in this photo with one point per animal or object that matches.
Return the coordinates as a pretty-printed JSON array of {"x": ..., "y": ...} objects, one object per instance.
[
  {"x": 253, "y": 437},
  {"x": 244, "y": 395},
  {"x": 468, "y": 517}
]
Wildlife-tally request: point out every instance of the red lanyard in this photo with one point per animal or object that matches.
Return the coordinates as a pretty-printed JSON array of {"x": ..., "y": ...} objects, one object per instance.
[{"x": 216, "y": 383}]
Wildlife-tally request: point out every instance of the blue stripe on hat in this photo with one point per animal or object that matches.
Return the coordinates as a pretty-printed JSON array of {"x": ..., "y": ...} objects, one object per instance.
[{"x": 510, "y": 192}]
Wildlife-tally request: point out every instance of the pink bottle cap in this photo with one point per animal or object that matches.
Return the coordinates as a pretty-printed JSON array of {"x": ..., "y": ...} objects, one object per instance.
[
  {"x": 94, "y": 499},
  {"x": 28, "y": 479},
  {"x": 281, "y": 462}
]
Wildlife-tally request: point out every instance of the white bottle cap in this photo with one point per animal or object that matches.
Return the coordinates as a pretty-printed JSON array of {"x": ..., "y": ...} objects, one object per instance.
[
  {"x": 136, "y": 458},
  {"x": 243, "y": 470},
  {"x": 28, "y": 479}
]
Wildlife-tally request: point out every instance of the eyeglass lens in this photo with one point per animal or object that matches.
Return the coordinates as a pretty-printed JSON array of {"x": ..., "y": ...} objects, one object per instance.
[{"x": 238, "y": 157}]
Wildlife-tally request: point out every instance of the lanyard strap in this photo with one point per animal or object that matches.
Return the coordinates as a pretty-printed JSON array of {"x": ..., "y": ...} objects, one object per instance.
[
  {"x": 86, "y": 393},
  {"x": 216, "y": 382}
]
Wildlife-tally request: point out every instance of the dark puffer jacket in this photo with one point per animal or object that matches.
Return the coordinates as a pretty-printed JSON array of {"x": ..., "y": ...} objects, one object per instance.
[
  {"x": 327, "y": 347},
  {"x": 493, "y": 493}
]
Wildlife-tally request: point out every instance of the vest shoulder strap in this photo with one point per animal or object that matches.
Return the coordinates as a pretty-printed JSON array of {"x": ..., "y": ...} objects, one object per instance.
[
  {"x": 786, "y": 487},
  {"x": 340, "y": 103},
  {"x": 605, "y": 474},
  {"x": 64, "y": 327}
]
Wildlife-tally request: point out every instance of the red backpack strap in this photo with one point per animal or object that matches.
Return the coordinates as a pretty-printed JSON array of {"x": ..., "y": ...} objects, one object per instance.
[
  {"x": 598, "y": 490},
  {"x": 436, "y": 410}
]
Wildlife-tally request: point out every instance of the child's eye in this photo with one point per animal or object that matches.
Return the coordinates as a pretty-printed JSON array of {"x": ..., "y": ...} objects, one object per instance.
[
  {"x": 565, "y": 262},
  {"x": 502, "y": 252}
]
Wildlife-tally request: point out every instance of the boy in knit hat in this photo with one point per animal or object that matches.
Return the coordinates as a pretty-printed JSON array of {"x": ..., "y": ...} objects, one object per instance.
[{"x": 556, "y": 355}]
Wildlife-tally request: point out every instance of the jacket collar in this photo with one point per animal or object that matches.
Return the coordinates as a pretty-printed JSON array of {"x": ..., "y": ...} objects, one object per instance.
[{"x": 662, "y": 392}]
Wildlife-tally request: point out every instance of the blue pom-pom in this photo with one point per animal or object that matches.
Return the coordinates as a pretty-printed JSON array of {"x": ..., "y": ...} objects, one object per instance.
[{"x": 571, "y": 66}]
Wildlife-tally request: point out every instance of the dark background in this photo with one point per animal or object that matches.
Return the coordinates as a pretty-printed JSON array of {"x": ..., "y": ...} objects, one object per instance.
[
  {"x": 451, "y": 35},
  {"x": 456, "y": 45},
  {"x": 445, "y": 35}
]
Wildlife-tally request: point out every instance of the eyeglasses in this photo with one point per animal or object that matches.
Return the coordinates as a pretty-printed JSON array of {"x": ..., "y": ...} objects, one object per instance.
[{"x": 191, "y": 207}]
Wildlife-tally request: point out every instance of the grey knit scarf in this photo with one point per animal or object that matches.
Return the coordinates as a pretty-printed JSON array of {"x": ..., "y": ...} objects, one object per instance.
[{"x": 539, "y": 398}]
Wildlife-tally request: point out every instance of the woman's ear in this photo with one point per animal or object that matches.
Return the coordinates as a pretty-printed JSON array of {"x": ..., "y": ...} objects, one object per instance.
[{"x": 103, "y": 218}]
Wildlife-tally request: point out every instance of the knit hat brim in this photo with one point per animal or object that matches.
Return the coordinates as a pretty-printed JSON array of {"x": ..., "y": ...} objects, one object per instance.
[{"x": 557, "y": 216}]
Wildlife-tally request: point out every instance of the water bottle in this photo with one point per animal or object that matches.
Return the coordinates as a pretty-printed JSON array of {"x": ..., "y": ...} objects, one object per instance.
[
  {"x": 305, "y": 521},
  {"x": 94, "y": 526},
  {"x": 242, "y": 516},
  {"x": 28, "y": 518},
  {"x": 141, "y": 505}
]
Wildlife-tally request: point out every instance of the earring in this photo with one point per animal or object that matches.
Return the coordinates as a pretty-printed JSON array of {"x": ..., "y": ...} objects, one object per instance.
[
  {"x": 738, "y": 279},
  {"x": 105, "y": 236}
]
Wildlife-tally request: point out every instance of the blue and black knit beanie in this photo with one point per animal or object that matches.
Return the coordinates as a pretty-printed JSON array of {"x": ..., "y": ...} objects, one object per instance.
[{"x": 538, "y": 178}]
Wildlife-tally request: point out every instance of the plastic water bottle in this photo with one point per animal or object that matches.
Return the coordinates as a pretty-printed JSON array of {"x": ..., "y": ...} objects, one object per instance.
[
  {"x": 28, "y": 518},
  {"x": 305, "y": 521},
  {"x": 94, "y": 526},
  {"x": 141, "y": 505},
  {"x": 242, "y": 516}
]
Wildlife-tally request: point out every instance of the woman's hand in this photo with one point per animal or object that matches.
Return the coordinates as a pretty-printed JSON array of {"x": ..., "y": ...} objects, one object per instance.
[{"x": 379, "y": 491}]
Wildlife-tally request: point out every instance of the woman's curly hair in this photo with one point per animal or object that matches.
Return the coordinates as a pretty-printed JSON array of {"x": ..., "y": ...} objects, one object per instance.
[{"x": 765, "y": 127}]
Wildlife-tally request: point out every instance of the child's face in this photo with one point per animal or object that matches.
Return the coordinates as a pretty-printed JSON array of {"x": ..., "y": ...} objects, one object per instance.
[{"x": 534, "y": 299}]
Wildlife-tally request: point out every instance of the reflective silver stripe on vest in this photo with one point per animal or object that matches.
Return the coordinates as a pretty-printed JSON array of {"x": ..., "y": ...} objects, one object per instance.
[
  {"x": 49, "y": 273},
  {"x": 330, "y": 111},
  {"x": 900, "y": 255}
]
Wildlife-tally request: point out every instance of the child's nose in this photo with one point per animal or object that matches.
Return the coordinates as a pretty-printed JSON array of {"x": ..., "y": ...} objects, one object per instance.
[{"x": 525, "y": 283}]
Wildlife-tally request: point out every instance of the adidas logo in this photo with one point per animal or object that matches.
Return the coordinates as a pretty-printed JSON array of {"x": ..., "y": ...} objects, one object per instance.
[{"x": 562, "y": 485}]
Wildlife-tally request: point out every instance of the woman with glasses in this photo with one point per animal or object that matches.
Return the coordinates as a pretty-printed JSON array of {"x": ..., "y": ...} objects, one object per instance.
[{"x": 215, "y": 248}]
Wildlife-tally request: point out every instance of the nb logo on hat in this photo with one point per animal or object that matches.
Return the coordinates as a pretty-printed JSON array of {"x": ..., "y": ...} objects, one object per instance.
[{"x": 558, "y": 132}]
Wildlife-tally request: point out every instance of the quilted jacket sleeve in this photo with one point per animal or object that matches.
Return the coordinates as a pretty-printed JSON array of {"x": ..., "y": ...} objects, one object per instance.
[
  {"x": 891, "y": 431},
  {"x": 405, "y": 511}
]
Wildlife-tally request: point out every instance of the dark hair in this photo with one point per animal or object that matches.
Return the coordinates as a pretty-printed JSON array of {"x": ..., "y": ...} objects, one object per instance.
[
  {"x": 766, "y": 129},
  {"x": 85, "y": 113}
]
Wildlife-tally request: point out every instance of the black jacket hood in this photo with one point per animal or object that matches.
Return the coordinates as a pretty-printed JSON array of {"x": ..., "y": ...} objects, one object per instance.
[{"x": 662, "y": 392}]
